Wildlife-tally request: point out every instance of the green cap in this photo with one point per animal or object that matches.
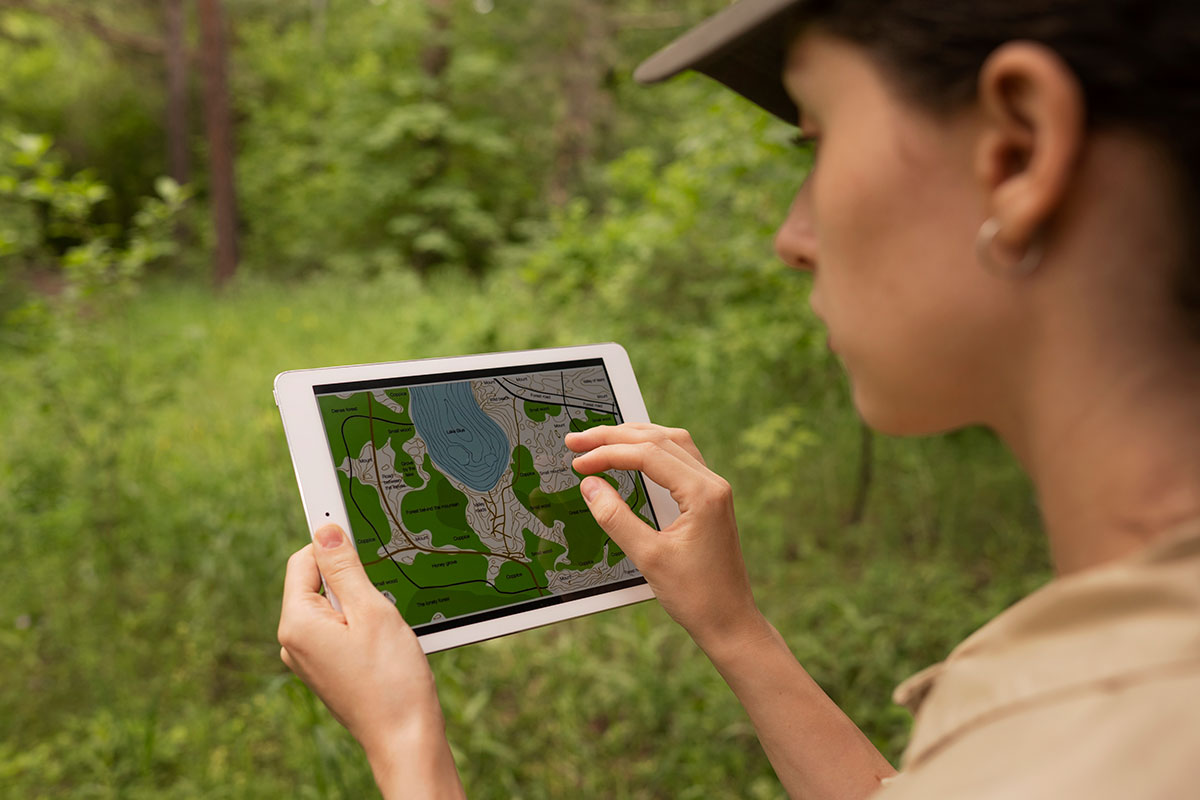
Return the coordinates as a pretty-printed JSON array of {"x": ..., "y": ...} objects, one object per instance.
[{"x": 743, "y": 47}]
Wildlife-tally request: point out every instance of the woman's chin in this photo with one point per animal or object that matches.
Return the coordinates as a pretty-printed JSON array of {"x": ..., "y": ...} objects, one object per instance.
[{"x": 887, "y": 416}]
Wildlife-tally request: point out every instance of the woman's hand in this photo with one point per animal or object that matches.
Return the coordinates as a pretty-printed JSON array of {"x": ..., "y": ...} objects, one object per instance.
[
  {"x": 366, "y": 665},
  {"x": 695, "y": 567},
  {"x": 695, "y": 564}
]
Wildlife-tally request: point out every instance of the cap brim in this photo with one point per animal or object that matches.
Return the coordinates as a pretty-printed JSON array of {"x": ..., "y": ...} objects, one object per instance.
[{"x": 743, "y": 47}]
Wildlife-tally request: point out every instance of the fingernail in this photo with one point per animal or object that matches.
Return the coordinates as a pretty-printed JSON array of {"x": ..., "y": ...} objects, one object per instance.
[
  {"x": 329, "y": 537},
  {"x": 588, "y": 488}
]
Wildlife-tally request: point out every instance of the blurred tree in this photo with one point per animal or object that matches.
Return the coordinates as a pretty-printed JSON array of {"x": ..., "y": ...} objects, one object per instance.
[
  {"x": 436, "y": 55},
  {"x": 865, "y": 475},
  {"x": 78, "y": 72},
  {"x": 86, "y": 18},
  {"x": 585, "y": 63},
  {"x": 434, "y": 59},
  {"x": 176, "y": 62},
  {"x": 371, "y": 134},
  {"x": 219, "y": 123}
]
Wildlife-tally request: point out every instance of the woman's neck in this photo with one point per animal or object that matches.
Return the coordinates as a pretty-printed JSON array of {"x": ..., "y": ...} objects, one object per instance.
[
  {"x": 1114, "y": 456},
  {"x": 1104, "y": 406}
]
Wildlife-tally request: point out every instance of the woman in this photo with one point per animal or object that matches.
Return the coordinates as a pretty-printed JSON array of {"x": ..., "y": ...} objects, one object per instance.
[{"x": 998, "y": 224}]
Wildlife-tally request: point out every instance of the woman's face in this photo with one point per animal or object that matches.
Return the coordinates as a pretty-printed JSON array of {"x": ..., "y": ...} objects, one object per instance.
[{"x": 887, "y": 223}]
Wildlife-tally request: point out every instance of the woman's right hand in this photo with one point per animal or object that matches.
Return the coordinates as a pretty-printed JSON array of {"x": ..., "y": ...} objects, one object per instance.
[{"x": 695, "y": 564}]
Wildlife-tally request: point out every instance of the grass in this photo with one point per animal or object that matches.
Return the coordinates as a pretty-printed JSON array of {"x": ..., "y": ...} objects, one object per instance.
[{"x": 149, "y": 506}]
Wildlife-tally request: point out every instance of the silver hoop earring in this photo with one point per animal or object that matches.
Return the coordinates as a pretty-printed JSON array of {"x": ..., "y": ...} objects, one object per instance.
[{"x": 983, "y": 253}]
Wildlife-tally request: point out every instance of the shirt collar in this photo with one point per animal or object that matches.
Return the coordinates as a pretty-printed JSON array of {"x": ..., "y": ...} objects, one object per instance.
[{"x": 1110, "y": 623}]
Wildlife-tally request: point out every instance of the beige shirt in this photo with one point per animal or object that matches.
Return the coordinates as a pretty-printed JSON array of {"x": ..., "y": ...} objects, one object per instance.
[{"x": 1088, "y": 688}]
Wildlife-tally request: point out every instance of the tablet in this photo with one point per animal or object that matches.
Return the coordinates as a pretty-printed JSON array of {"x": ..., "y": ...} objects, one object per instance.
[{"x": 453, "y": 478}]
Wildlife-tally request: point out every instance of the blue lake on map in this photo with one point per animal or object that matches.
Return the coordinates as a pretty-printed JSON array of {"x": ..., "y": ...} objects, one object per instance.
[{"x": 464, "y": 442}]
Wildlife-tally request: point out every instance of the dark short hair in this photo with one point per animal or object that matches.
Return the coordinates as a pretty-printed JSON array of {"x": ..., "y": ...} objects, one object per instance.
[{"x": 1138, "y": 62}]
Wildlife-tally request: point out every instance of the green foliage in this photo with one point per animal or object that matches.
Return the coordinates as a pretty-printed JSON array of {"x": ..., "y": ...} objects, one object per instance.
[
  {"x": 48, "y": 227},
  {"x": 40, "y": 204},
  {"x": 151, "y": 520},
  {"x": 402, "y": 169},
  {"x": 91, "y": 99}
]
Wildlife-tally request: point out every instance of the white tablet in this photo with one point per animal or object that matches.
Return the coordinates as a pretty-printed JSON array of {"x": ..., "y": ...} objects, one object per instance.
[{"x": 452, "y": 476}]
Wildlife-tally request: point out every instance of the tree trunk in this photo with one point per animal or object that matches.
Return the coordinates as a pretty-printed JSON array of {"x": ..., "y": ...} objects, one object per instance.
[
  {"x": 436, "y": 55},
  {"x": 435, "y": 59},
  {"x": 178, "y": 162},
  {"x": 219, "y": 126},
  {"x": 866, "y": 471},
  {"x": 587, "y": 104}
]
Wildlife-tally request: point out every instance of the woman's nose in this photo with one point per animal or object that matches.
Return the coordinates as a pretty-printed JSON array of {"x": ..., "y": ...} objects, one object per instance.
[{"x": 795, "y": 241}]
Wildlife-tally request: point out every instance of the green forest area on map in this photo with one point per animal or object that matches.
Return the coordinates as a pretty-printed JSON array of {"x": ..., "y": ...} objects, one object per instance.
[{"x": 453, "y": 581}]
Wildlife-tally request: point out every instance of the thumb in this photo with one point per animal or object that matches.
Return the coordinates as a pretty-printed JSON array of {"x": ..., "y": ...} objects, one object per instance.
[
  {"x": 337, "y": 558},
  {"x": 615, "y": 517}
]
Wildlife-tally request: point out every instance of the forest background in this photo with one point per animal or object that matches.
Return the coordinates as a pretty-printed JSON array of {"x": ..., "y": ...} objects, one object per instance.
[{"x": 197, "y": 195}]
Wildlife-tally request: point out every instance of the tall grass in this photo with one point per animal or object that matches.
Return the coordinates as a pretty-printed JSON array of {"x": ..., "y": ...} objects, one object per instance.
[{"x": 149, "y": 507}]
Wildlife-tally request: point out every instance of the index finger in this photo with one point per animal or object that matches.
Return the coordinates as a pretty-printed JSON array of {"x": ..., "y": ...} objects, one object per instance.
[
  {"x": 668, "y": 468},
  {"x": 633, "y": 433},
  {"x": 588, "y": 438}
]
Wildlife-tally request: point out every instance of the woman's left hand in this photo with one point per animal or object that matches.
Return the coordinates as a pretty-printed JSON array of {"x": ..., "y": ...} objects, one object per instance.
[{"x": 365, "y": 663}]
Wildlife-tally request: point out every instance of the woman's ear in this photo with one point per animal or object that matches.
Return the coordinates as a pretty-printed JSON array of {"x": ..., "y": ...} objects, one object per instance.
[{"x": 1033, "y": 131}]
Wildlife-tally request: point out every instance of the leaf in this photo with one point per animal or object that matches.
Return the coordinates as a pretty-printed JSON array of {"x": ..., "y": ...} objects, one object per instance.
[{"x": 168, "y": 189}]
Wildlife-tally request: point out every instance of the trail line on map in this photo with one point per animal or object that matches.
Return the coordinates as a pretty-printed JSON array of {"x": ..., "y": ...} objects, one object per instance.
[
  {"x": 563, "y": 395},
  {"x": 551, "y": 395}
]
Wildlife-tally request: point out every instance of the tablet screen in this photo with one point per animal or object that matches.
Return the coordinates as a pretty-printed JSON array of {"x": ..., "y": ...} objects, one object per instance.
[{"x": 460, "y": 492}]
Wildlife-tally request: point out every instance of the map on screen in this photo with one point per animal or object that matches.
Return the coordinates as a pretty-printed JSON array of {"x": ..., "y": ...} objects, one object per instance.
[{"x": 460, "y": 492}]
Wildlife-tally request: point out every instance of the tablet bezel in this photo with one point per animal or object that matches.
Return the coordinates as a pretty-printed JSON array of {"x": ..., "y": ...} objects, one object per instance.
[{"x": 322, "y": 498}]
